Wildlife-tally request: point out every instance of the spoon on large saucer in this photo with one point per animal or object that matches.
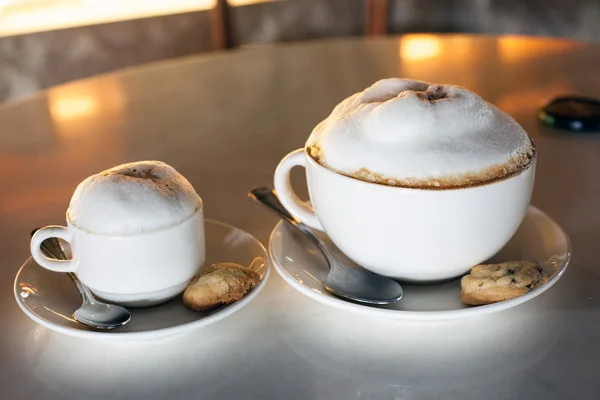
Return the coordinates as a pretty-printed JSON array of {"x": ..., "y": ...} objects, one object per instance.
[
  {"x": 92, "y": 312},
  {"x": 354, "y": 284}
]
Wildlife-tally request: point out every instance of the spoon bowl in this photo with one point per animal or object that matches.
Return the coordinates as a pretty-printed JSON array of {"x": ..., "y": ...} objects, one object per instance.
[{"x": 102, "y": 315}]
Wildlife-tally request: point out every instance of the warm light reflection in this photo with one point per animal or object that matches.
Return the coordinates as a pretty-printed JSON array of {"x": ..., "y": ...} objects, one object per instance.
[
  {"x": 517, "y": 48},
  {"x": 20, "y": 17},
  {"x": 517, "y": 102},
  {"x": 312, "y": 276},
  {"x": 59, "y": 314},
  {"x": 81, "y": 102},
  {"x": 247, "y": 2},
  {"x": 419, "y": 47},
  {"x": 27, "y": 289},
  {"x": 39, "y": 16},
  {"x": 471, "y": 61},
  {"x": 68, "y": 108}
]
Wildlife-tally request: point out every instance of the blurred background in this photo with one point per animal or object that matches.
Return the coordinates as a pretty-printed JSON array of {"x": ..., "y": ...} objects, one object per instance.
[{"x": 48, "y": 42}]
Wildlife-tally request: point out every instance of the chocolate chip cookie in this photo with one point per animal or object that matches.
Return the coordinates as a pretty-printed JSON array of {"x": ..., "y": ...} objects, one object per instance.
[
  {"x": 491, "y": 283},
  {"x": 219, "y": 284}
]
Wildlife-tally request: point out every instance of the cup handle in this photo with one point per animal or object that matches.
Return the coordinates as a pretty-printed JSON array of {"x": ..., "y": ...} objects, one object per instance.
[
  {"x": 47, "y": 232},
  {"x": 288, "y": 198}
]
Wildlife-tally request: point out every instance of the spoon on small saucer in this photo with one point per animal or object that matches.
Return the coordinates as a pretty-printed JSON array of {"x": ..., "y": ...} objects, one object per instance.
[
  {"x": 354, "y": 284},
  {"x": 92, "y": 312}
]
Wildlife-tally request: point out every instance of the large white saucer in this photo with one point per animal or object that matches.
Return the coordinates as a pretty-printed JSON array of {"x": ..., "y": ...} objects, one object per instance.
[{"x": 539, "y": 239}]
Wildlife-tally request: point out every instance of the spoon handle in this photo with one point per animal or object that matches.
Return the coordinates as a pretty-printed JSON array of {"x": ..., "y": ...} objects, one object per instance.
[
  {"x": 267, "y": 197},
  {"x": 51, "y": 248}
]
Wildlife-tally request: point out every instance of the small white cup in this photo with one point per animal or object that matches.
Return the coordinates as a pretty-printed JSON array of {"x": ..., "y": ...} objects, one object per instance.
[
  {"x": 135, "y": 270},
  {"x": 416, "y": 235}
]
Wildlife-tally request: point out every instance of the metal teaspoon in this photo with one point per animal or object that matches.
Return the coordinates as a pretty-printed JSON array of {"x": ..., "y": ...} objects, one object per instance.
[
  {"x": 358, "y": 285},
  {"x": 92, "y": 312}
]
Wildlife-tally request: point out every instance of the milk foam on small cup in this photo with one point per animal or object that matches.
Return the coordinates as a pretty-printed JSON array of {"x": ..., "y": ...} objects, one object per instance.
[
  {"x": 133, "y": 198},
  {"x": 409, "y": 133},
  {"x": 136, "y": 233}
]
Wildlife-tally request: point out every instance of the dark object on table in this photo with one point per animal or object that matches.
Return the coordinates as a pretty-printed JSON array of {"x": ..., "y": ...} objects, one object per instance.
[{"x": 572, "y": 113}]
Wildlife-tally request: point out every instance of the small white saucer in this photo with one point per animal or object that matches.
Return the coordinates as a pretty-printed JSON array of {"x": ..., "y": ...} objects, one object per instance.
[
  {"x": 539, "y": 239},
  {"x": 50, "y": 298}
]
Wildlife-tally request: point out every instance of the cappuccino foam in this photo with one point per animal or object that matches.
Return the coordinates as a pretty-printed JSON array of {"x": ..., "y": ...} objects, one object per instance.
[
  {"x": 409, "y": 133},
  {"x": 133, "y": 198}
]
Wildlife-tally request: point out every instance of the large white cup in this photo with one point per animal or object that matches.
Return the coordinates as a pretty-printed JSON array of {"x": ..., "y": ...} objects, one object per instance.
[
  {"x": 418, "y": 235},
  {"x": 136, "y": 270}
]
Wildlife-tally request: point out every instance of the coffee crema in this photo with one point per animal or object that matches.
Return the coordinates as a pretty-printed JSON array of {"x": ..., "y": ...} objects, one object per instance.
[
  {"x": 489, "y": 175},
  {"x": 413, "y": 134},
  {"x": 132, "y": 198}
]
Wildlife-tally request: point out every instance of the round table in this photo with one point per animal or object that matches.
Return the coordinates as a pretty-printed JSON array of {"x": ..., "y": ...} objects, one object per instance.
[{"x": 224, "y": 121}]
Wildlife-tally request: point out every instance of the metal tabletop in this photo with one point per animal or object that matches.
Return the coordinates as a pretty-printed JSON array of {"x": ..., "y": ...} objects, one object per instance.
[{"x": 224, "y": 121}]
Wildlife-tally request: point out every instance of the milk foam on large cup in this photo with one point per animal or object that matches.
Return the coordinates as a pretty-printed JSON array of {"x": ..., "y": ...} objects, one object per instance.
[
  {"x": 409, "y": 133},
  {"x": 133, "y": 198},
  {"x": 413, "y": 180}
]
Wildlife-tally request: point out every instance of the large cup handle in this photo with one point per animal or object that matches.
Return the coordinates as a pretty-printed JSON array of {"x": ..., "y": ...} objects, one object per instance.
[
  {"x": 47, "y": 232},
  {"x": 288, "y": 198}
]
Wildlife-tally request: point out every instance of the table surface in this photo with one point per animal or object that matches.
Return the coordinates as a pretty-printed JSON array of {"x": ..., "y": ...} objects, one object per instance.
[{"x": 224, "y": 121}]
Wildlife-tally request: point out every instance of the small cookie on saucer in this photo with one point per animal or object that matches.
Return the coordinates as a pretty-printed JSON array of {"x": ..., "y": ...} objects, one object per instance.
[
  {"x": 491, "y": 283},
  {"x": 219, "y": 284}
]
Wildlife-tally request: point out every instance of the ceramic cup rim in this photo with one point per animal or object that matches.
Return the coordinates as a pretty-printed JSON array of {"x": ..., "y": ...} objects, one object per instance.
[
  {"x": 366, "y": 184},
  {"x": 199, "y": 209}
]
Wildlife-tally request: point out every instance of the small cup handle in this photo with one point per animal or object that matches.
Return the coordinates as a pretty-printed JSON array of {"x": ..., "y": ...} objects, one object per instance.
[
  {"x": 47, "y": 232},
  {"x": 288, "y": 198}
]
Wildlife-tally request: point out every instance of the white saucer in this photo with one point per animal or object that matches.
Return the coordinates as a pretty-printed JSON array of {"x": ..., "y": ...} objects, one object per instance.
[
  {"x": 50, "y": 298},
  {"x": 539, "y": 239}
]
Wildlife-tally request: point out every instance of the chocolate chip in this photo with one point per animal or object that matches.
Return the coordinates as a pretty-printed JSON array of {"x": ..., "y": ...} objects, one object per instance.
[
  {"x": 540, "y": 269},
  {"x": 513, "y": 280},
  {"x": 511, "y": 271}
]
